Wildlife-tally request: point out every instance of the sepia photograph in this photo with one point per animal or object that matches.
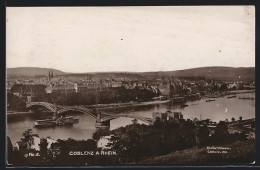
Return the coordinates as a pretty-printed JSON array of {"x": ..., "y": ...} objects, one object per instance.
[{"x": 130, "y": 85}]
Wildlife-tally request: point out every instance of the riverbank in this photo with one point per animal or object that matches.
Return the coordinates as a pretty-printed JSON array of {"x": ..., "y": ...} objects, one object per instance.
[
  {"x": 113, "y": 105},
  {"x": 133, "y": 104},
  {"x": 16, "y": 112},
  {"x": 101, "y": 106},
  {"x": 225, "y": 93},
  {"x": 240, "y": 91},
  {"x": 156, "y": 101}
]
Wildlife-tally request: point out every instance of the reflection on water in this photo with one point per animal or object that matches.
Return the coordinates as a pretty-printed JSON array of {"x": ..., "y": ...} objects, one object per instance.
[{"x": 220, "y": 109}]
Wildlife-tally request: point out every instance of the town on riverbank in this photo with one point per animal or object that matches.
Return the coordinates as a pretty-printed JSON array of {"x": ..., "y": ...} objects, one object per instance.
[
  {"x": 91, "y": 92},
  {"x": 161, "y": 137}
]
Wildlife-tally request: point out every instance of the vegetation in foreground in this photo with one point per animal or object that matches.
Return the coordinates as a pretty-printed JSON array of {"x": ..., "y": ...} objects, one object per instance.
[
  {"x": 242, "y": 152},
  {"x": 161, "y": 143}
]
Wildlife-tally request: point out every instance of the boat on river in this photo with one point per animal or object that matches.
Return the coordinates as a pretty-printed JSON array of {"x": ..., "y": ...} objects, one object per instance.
[
  {"x": 44, "y": 123},
  {"x": 247, "y": 98},
  {"x": 184, "y": 105},
  {"x": 210, "y": 100},
  {"x": 56, "y": 122},
  {"x": 231, "y": 97}
]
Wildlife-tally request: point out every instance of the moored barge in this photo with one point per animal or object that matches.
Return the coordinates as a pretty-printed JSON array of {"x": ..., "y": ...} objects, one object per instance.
[
  {"x": 248, "y": 98},
  {"x": 231, "y": 97}
]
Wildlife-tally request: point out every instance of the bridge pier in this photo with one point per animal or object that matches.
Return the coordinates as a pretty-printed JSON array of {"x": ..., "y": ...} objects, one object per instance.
[
  {"x": 100, "y": 124},
  {"x": 106, "y": 123},
  {"x": 103, "y": 125}
]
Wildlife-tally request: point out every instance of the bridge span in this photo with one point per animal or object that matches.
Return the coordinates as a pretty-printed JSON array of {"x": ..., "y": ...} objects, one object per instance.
[
  {"x": 49, "y": 106},
  {"x": 102, "y": 119},
  {"x": 58, "y": 109}
]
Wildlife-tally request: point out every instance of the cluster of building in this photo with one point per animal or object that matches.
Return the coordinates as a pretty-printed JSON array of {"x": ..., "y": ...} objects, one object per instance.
[
  {"x": 171, "y": 87},
  {"x": 172, "y": 116}
]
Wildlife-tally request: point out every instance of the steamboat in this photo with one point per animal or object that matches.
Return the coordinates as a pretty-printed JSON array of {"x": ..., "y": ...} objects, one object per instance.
[
  {"x": 61, "y": 121},
  {"x": 210, "y": 100}
]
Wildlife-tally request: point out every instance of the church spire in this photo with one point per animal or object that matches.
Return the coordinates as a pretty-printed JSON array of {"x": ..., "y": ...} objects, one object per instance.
[{"x": 49, "y": 75}]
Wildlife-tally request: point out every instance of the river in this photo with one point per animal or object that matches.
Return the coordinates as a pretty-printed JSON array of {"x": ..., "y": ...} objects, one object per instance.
[{"x": 220, "y": 109}]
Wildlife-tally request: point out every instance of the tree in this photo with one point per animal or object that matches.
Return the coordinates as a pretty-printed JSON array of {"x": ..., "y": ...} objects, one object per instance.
[
  {"x": 27, "y": 136},
  {"x": 223, "y": 87},
  {"x": 10, "y": 150},
  {"x": 43, "y": 148},
  {"x": 100, "y": 132},
  {"x": 134, "y": 121},
  {"x": 202, "y": 135},
  {"x": 221, "y": 134},
  {"x": 9, "y": 145}
]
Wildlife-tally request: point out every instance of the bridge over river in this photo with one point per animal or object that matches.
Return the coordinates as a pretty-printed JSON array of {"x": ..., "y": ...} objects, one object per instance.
[{"x": 102, "y": 119}]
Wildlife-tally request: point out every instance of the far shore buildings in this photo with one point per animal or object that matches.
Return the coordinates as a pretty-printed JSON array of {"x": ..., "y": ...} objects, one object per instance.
[{"x": 27, "y": 88}]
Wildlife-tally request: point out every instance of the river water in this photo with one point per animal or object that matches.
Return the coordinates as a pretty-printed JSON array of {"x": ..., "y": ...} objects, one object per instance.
[{"x": 220, "y": 109}]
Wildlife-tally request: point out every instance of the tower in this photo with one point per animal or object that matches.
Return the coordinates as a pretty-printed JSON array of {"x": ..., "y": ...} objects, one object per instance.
[{"x": 49, "y": 76}]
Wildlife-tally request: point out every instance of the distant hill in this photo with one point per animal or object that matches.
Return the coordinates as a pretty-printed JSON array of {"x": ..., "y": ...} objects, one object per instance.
[
  {"x": 217, "y": 73},
  {"x": 31, "y": 71}
]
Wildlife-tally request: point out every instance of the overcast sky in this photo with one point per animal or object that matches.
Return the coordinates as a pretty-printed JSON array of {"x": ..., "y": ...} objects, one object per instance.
[{"x": 97, "y": 39}]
